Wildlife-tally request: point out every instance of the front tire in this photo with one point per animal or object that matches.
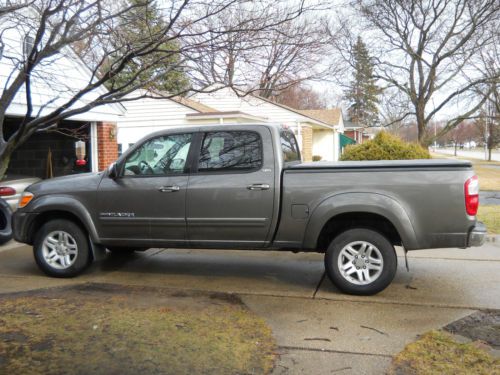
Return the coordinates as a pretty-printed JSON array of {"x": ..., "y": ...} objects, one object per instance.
[
  {"x": 361, "y": 262},
  {"x": 61, "y": 249}
]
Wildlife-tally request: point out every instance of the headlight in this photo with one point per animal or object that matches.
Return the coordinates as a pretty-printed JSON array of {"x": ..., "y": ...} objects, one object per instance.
[{"x": 26, "y": 197}]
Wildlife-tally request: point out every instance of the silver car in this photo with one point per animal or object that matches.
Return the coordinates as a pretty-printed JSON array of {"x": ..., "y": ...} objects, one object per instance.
[{"x": 12, "y": 186}]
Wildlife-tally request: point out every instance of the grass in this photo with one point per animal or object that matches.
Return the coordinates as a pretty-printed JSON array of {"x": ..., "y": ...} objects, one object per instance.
[
  {"x": 490, "y": 215},
  {"x": 487, "y": 171},
  {"x": 131, "y": 332},
  {"x": 437, "y": 353}
]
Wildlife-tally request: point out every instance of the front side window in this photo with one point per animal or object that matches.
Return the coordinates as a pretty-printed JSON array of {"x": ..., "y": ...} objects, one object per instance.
[
  {"x": 289, "y": 146},
  {"x": 159, "y": 156},
  {"x": 230, "y": 151}
]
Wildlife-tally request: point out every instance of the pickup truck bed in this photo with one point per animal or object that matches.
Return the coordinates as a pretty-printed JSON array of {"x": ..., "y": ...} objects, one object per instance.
[{"x": 389, "y": 189}]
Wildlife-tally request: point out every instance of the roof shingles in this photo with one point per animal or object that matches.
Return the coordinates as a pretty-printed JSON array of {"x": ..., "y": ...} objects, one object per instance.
[{"x": 329, "y": 116}]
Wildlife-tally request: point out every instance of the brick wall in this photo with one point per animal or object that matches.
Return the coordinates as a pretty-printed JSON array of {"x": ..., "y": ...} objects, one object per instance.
[
  {"x": 107, "y": 146},
  {"x": 307, "y": 142}
]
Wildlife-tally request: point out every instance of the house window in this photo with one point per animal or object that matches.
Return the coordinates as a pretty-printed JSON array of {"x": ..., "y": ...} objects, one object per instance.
[{"x": 28, "y": 44}]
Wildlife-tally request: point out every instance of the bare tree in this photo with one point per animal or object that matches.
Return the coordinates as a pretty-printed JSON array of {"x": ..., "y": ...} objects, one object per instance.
[
  {"x": 426, "y": 50},
  {"x": 54, "y": 29},
  {"x": 301, "y": 97},
  {"x": 267, "y": 61}
]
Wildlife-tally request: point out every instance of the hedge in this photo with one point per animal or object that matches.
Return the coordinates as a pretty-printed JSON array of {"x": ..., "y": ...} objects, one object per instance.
[{"x": 385, "y": 147}]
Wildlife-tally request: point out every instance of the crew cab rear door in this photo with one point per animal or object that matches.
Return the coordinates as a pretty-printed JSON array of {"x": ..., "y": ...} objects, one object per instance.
[{"x": 230, "y": 197}]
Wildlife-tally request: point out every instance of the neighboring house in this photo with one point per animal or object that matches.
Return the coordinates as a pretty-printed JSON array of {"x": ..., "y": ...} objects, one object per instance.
[
  {"x": 226, "y": 106},
  {"x": 355, "y": 132},
  {"x": 53, "y": 83},
  {"x": 334, "y": 117}
]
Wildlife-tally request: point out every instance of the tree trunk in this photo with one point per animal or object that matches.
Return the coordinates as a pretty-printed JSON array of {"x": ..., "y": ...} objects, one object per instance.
[
  {"x": 4, "y": 164},
  {"x": 6, "y": 150},
  {"x": 456, "y": 143},
  {"x": 421, "y": 125}
]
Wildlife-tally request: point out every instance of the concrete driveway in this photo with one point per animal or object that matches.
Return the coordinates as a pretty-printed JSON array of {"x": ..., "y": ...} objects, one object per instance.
[{"x": 318, "y": 329}]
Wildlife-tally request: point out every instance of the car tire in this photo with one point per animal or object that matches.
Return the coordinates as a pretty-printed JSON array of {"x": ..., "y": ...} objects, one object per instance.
[
  {"x": 5, "y": 222},
  {"x": 361, "y": 262},
  {"x": 61, "y": 248}
]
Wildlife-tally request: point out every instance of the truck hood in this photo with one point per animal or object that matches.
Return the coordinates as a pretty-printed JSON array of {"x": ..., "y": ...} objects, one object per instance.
[{"x": 67, "y": 184}]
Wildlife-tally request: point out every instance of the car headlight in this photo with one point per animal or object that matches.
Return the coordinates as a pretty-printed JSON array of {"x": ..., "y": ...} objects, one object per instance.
[{"x": 26, "y": 197}]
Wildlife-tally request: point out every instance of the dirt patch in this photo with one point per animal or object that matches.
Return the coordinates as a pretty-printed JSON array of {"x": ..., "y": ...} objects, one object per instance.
[
  {"x": 481, "y": 325},
  {"x": 100, "y": 328}
]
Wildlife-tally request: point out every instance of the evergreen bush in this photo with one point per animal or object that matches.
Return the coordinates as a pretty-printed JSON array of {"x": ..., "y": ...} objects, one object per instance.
[{"x": 385, "y": 147}]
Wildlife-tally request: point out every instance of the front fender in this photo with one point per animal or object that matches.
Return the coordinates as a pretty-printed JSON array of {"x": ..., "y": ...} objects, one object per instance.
[
  {"x": 374, "y": 203},
  {"x": 65, "y": 203}
]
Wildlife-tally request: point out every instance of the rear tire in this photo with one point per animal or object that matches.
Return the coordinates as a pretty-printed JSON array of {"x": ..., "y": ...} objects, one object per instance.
[
  {"x": 361, "y": 262},
  {"x": 61, "y": 249}
]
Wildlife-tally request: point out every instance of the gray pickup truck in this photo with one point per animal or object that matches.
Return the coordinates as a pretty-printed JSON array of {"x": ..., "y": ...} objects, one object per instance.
[{"x": 245, "y": 187}]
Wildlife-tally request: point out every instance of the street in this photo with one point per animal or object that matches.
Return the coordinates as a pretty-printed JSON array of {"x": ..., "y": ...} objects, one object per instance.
[
  {"x": 318, "y": 330},
  {"x": 473, "y": 154}
]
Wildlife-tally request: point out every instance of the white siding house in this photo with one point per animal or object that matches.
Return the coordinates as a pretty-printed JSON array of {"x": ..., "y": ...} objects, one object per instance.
[
  {"x": 225, "y": 106},
  {"x": 53, "y": 83}
]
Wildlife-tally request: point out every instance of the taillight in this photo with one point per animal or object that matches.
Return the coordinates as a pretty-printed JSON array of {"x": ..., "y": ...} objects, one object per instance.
[
  {"x": 5, "y": 191},
  {"x": 471, "y": 189}
]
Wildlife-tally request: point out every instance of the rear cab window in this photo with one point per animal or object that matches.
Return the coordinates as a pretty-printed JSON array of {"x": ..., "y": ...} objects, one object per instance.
[{"x": 289, "y": 146}]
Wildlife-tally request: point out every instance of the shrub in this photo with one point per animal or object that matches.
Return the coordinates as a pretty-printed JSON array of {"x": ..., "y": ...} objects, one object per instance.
[
  {"x": 385, "y": 147},
  {"x": 317, "y": 157}
]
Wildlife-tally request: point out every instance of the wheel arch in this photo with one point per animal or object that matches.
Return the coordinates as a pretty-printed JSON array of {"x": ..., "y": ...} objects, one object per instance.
[
  {"x": 62, "y": 207},
  {"x": 363, "y": 210}
]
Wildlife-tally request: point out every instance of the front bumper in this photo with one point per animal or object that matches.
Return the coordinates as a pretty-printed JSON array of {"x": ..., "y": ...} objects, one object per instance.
[
  {"x": 21, "y": 224},
  {"x": 477, "y": 235}
]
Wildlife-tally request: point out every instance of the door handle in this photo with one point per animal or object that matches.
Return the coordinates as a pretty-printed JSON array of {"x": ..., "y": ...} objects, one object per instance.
[
  {"x": 168, "y": 189},
  {"x": 258, "y": 187}
]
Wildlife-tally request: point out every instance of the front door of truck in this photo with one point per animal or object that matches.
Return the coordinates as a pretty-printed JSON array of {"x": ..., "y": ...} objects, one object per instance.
[
  {"x": 230, "y": 198},
  {"x": 147, "y": 200}
]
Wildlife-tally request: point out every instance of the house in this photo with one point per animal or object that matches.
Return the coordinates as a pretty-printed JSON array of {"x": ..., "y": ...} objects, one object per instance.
[
  {"x": 334, "y": 117},
  {"x": 52, "y": 84},
  {"x": 355, "y": 132},
  {"x": 228, "y": 106}
]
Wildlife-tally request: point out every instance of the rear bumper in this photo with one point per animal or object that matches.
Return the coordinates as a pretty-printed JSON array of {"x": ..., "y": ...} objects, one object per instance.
[
  {"x": 477, "y": 235},
  {"x": 21, "y": 224}
]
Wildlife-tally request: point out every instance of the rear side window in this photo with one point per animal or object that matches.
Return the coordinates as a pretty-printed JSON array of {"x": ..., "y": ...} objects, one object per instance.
[
  {"x": 289, "y": 146},
  {"x": 230, "y": 151}
]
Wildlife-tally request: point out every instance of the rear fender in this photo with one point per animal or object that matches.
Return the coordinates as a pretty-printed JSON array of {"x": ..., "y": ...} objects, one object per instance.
[{"x": 374, "y": 203}]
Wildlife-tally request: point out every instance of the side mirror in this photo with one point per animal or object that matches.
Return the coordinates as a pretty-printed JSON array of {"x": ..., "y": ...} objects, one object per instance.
[{"x": 113, "y": 171}]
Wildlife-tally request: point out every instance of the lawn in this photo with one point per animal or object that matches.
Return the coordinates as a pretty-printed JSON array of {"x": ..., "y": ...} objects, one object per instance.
[
  {"x": 490, "y": 215},
  {"x": 437, "y": 352},
  {"x": 487, "y": 171},
  {"x": 103, "y": 329}
]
